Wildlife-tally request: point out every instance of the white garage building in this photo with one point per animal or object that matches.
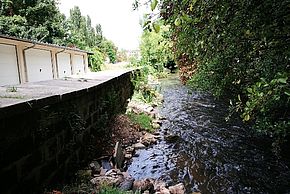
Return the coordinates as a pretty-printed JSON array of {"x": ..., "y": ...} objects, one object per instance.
[{"x": 23, "y": 60}]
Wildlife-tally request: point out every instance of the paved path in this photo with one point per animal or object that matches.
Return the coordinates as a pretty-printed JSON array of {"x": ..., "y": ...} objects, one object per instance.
[{"x": 37, "y": 91}]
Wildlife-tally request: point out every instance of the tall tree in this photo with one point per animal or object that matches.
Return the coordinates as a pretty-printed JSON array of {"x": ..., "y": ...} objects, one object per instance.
[{"x": 34, "y": 19}]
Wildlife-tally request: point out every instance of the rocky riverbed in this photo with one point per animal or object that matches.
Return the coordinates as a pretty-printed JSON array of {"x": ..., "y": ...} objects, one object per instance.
[
  {"x": 129, "y": 138},
  {"x": 110, "y": 170}
]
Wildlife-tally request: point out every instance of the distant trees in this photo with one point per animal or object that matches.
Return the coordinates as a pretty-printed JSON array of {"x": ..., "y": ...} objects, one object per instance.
[
  {"x": 156, "y": 48},
  {"x": 80, "y": 32},
  {"x": 41, "y": 20},
  {"x": 122, "y": 55}
]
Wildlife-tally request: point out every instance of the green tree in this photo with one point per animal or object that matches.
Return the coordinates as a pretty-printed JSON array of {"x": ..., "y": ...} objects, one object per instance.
[
  {"x": 77, "y": 29},
  {"x": 109, "y": 49},
  {"x": 35, "y": 19},
  {"x": 81, "y": 33},
  {"x": 41, "y": 20},
  {"x": 99, "y": 34},
  {"x": 156, "y": 48}
]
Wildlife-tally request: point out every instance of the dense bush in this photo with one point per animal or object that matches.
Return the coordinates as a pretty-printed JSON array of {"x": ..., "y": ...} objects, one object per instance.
[
  {"x": 238, "y": 49},
  {"x": 96, "y": 60}
]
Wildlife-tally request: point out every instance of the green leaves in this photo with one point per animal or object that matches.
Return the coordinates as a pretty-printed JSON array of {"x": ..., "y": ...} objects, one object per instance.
[
  {"x": 156, "y": 47},
  {"x": 177, "y": 21},
  {"x": 283, "y": 80},
  {"x": 156, "y": 27},
  {"x": 153, "y": 4},
  {"x": 250, "y": 90},
  {"x": 246, "y": 117},
  {"x": 287, "y": 93}
]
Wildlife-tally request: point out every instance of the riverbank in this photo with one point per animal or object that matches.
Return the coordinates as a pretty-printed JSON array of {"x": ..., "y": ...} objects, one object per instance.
[
  {"x": 196, "y": 147},
  {"x": 136, "y": 130}
]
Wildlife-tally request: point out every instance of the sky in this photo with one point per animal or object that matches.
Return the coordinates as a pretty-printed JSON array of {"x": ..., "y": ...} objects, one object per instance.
[{"x": 119, "y": 22}]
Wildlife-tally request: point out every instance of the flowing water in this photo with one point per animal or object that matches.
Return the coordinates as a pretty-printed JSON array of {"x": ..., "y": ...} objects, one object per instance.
[{"x": 208, "y": 154}]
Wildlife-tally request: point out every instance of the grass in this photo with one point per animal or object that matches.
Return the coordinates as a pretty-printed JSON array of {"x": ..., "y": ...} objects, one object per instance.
[
  {"x": 11, "y": 89},
  {"x": 141, "y": 119}
]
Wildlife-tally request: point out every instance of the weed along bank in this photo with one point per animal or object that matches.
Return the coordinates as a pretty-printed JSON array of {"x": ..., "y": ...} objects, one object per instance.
[{"x": 50, "y": 123}]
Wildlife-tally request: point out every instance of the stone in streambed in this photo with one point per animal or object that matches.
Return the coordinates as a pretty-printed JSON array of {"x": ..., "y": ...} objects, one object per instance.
[
  {"x": 155, "y": 126},
  {"x": 148, "y": 139},
  {"x": 163, "y": 191},
  {"x": 127, "y": 184},
  {"x": 143, "y": 185},
  {"x": 158, "y": 184},
  {"x": 157, "y": 121},
  {"x": 177, "y": 189},
  {"x": 172, "y": 138},
  {"x": 128, "y": 156},
  {"x": 95, "y": 167},
  {"x": 130, "y": 149},
  {"x": 139, "y": 146}
]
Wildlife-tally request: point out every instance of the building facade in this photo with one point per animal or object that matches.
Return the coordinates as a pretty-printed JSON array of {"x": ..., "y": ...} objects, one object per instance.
[{"x": 23, "y": 60}]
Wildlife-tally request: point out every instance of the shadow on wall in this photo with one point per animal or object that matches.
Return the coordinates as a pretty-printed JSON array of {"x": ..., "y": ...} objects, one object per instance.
[{"x": 46, "y": 142}]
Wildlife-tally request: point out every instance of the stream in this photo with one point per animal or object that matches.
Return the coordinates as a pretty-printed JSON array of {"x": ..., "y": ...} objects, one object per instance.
[{"x": 208, "y": 154}]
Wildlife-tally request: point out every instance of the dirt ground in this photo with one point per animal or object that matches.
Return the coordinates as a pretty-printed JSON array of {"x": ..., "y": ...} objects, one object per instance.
[{"x": 123, "y": 130}]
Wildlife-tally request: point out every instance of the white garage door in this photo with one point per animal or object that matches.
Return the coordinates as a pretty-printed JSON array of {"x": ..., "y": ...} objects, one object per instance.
[
  {"x": 63, "y": 64},
  {"x": 8, "y": 65},
  {"x": 38, "y": 63},
  {"x": 79, "y": 64}
]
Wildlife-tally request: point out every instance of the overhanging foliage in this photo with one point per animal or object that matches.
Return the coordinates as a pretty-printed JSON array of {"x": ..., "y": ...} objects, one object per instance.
[{"x": 239, "y": 49}]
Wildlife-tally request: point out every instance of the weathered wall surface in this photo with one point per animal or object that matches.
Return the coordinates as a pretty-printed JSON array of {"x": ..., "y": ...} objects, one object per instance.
[{"x": 46, "y": 140}]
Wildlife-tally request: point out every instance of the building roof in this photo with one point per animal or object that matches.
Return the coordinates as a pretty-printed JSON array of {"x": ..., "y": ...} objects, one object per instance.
[{"x": 42, "y": 43}]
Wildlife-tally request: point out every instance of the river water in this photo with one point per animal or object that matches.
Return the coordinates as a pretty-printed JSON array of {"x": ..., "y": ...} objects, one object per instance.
[{"x": 207, "y": 153}]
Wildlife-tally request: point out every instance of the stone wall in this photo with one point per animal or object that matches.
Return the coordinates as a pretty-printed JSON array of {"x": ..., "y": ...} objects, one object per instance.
[{"x": 46, "y": 141}]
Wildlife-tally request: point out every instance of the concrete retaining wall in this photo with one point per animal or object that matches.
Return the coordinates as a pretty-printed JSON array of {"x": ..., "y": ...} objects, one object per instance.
[{"x": 44, "y": 140}]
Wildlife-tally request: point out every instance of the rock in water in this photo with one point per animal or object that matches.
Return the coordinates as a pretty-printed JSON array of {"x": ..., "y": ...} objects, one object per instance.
[
  {"x": 128, "y": 156},
  {"x": 127, "y": 184},
  {"x": 172, "y": 138},
  {"x": 139, "y": 146},
  {"x": 155, "y": 126},
  {"x": 143, "y": 185},
  {"x": 95, "y": 167},
  {"x": 177, "y": 189},
  {"x": 159, "y": 184},
  {"x": 164, "y": 191},
  {"x": 148, "y": 139}
]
